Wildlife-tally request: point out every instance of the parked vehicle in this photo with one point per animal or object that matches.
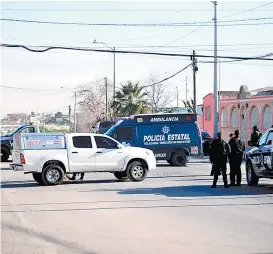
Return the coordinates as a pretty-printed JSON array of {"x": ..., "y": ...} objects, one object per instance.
[
  {"x": 48, "y": 157},
  {"x": 172, "y": 137},
  {"x": 7, "y": 139},
  {"x": 206, "y": 140},
  {"x": 103, "y": 127},
  {"x": 259, "y": 160}
]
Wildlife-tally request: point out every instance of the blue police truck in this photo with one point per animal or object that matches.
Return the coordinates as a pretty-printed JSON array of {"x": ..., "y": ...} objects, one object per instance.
[{"x": 172, "y": 137}]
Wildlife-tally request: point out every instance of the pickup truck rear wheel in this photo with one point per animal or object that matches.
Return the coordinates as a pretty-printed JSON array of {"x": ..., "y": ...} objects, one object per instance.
[
  {"x": 53, "y": 174},
  {"x": 252, "y": 179},
  {"x": 4, "y": 154},
  {"x": 137, "y": 171},
  {"x": 38, "y": 178},
  {"x": 120, "y": 175},
  {"x": 179, "y": 159}
]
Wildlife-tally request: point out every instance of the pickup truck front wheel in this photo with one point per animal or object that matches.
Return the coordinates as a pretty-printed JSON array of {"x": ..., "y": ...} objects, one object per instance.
[
  {"x": 252, "y": 179},
  {"x": 137, "y": 171},
  {"x": 53, "y": 174}
]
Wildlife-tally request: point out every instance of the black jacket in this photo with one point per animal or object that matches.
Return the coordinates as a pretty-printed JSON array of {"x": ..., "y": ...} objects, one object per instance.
[
  {"x": 237, "y": 146},
  {"x": 219, "y": 151},
  {"x": 255, "y": 136}
]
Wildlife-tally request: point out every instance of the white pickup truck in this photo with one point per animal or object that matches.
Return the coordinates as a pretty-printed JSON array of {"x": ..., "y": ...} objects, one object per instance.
[{"x": 49, "y": 157}]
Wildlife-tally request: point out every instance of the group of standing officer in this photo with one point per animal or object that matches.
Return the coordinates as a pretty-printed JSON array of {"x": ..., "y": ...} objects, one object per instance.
[{"x": 220, "y": 152}]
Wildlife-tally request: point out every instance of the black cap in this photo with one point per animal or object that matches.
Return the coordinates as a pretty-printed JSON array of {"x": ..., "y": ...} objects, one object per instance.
[{"x": 237, "y": 133}]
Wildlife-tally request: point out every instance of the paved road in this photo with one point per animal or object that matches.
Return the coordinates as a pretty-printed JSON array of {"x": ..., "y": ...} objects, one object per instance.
[{"x": 173, "y": 211}]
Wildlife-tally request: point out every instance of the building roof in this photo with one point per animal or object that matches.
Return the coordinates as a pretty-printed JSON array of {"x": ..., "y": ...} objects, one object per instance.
[{"x": 263, "y": 89}]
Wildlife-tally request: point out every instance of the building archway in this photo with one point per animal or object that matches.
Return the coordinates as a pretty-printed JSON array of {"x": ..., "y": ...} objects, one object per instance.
[
  {"x": 254, "y": 117},
  {"x": 267, "y": 117},
  {"x": 234, "y": 117}
]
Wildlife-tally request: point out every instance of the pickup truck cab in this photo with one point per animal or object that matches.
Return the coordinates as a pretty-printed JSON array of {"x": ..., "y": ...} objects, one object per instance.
[
  {"x": 49, "y": 157},
  {"x": 259, "y": 162},
  {"x": 7, "y": 140}
]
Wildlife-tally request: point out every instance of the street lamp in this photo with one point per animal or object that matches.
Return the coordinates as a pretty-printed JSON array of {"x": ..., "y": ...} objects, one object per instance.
[
  {"x": 114, "y": 66},
  {"x": 75, "y": 106}
]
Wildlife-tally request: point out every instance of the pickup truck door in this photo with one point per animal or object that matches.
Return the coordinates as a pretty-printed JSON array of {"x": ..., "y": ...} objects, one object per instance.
[
  {"x": 81, "y": 154},
  {"x": 108, "y": 156}
]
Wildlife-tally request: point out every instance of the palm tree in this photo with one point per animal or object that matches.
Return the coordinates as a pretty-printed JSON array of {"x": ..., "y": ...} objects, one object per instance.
[{"x": 130, "y": 100}]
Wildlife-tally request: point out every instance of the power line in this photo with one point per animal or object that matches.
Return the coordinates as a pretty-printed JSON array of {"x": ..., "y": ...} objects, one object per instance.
[
  {"x": 125, "y": 10},
  {"x": 48, "y": 48},
  {"x": 247, "y": 10},
  {"x": 237, "y": 60},
  {"x": 165, "y": 79},
  {"x": 27, "y": 89},
  {"x": 208, "y": 23}
]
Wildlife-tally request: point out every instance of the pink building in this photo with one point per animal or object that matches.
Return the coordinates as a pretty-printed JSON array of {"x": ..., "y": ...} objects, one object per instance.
[{"x": 240, "y": 110}]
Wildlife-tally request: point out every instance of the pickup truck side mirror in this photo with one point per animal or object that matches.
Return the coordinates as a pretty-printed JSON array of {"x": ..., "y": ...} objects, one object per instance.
[
  {"x": 269, "y": 142},
  {"x": 119, "y": 146}
]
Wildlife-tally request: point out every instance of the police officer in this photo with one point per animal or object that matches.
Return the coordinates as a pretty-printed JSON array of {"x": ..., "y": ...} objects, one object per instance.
[
  {"x": 255, "y": 135},
  {"x": 237, "y": 147},
  {"x": 219, "y": 151}
]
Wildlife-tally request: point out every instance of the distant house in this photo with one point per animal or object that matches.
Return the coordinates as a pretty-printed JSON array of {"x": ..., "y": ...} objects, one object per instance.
[{"x": 58, "y": 119}]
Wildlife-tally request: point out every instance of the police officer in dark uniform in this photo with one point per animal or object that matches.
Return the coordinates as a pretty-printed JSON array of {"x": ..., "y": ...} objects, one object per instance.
[
  {"x": 255, "y": 136},
  {"x": 219, "y": 151},
  {"x": 237, "y": 147}
]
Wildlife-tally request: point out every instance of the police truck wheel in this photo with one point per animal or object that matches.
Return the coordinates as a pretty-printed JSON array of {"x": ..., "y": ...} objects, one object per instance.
[
  {"x": 4, "y": 154},
  {"x": 53, "y": 174},
  {"x": 38, "y": 178},
  {"x": 137, "y": 171},
  {"x": 120, "y": 175},
  {"x": 252, "y": 179},
  {"x": 179, "y": 159}
]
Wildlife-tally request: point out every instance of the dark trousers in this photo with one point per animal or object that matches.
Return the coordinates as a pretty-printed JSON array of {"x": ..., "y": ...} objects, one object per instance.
[
  {"x": 235, "y": 169},
  {"x": 219, "y": 167},
  {"x": 75, "y": 174}
]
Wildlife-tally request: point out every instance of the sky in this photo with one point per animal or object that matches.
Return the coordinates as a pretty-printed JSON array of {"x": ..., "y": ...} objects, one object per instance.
[{"x": 39, "y": 77}]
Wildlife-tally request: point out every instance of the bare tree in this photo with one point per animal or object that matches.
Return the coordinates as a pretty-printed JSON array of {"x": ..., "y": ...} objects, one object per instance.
[
  {"x": 93, "y": 102},
  {"x": 158, "y": 95}
]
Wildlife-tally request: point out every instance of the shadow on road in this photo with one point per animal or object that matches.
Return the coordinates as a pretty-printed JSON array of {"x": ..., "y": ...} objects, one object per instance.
[
  {"x": 30, "y": 183},
  {"x": 5, "y": 169},
  {"x": 199, "y": 191}
]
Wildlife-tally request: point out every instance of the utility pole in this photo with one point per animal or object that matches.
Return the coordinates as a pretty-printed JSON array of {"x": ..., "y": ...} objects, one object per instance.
[
  {"x": 215, "y": 90},
  {"x": 44, "y": 121},
  {"x": 75, "y": 112},
  {"x": 186, "y": 88},
  {"x": 114, "y": 81},
  {"x": 195, "y": 69},
  {"x": 106, "y": 99},
  {"x": 69, "y": 114},
  {"x": 177, "y": 98}
]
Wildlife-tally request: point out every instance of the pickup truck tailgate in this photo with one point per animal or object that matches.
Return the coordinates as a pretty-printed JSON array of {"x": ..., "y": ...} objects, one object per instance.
[{"x": 16, "y": 156}]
